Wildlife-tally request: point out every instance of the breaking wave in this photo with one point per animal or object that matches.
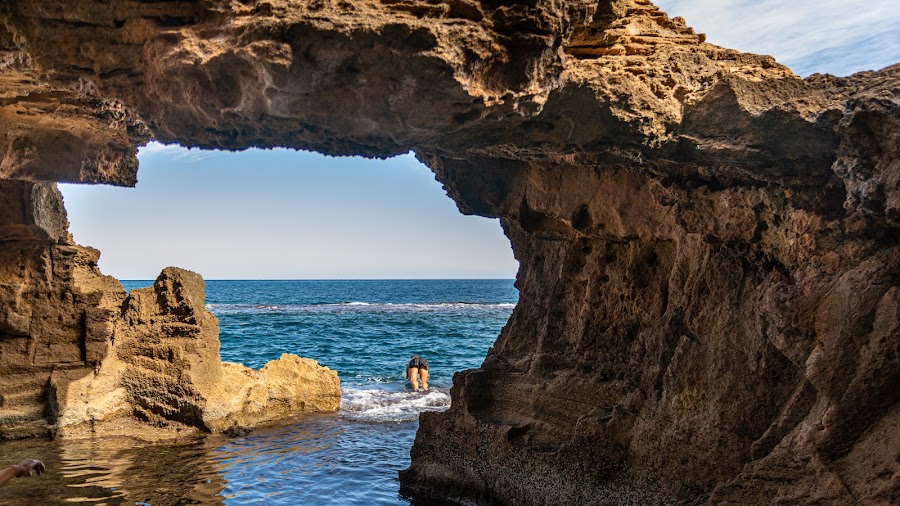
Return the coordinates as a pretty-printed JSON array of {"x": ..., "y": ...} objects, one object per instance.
[
  {"x": 384, "y": 406},
  {"x": 359, "y": 307}
]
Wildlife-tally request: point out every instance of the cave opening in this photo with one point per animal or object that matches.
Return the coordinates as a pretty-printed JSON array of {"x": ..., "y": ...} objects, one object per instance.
[
  {"x": 300, "y": 242},
  {"x": 284, "y": 214},
  {"x": 608, "y": 136},
  {"x": 355, "y": 263}
]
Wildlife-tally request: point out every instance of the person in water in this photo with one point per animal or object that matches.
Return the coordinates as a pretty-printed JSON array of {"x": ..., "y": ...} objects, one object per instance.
[
  {"x": 416, "y": 369},
  {"x": 25, "y": 468}
]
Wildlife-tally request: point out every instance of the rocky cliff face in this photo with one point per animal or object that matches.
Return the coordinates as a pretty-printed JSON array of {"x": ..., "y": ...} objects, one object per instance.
[
  {"x": 680, "y": 342},
  {"x": 708, "y": 244}
]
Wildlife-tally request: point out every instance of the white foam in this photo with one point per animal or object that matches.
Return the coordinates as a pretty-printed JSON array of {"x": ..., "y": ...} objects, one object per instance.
[
  {"x": 373, "y": 379},
  {"x": 413, "y": 307},
  {"x": 384, "y": 406},
  {"x": 359, "y": 307}
]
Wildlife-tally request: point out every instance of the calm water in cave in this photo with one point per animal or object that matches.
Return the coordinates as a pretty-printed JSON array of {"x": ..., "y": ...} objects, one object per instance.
[{"x": 366, "y": 330}]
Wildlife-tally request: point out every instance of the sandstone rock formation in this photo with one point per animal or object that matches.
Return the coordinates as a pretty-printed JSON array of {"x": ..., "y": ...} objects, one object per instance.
[
  {"x": 708, "y": 244},
  {"x": 77, "y": 353},
  {"x": 164, "y": 368}
]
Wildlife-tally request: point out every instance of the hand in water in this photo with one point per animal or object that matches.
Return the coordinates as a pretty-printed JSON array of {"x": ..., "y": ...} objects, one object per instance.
[
  {"x": 26, "y": 467},
  {"x": 30, "y": 466}
]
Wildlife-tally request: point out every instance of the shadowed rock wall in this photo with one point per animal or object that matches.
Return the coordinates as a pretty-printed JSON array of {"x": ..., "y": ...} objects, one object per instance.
[
  {"x": 708, "y": 244},
  {"x": 677, "y": 342}
]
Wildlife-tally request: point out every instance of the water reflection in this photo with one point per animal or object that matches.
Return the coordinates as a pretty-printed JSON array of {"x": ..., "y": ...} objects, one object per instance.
[
  {"x": 116, "y": 471},
  {"x": 309, "y": 460}
]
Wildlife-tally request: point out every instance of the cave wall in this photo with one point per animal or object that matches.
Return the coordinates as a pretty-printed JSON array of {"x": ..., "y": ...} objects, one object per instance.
[
  {"x": 708, "y": 244},
  {"x": 677, "y": 343}
]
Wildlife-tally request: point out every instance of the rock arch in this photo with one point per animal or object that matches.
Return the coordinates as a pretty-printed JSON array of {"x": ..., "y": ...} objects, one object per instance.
[{"x": 708, "y": 244}]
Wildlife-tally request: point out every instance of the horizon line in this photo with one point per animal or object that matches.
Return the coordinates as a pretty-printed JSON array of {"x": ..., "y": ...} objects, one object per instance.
[{"x": 333, "y": 279}]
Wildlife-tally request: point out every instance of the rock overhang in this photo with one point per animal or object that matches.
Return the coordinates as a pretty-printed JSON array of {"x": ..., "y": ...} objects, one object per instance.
[
  {"x": 707, "y": 242},
  {"x": 535, "y": 81}
]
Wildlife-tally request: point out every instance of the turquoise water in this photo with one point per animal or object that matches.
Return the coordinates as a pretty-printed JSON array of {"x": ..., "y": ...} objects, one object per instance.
[{"x": 366, "y": 330}]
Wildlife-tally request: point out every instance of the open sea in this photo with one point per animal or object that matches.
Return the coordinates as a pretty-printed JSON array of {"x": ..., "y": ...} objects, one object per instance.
[{"x": 365, "y": 330}]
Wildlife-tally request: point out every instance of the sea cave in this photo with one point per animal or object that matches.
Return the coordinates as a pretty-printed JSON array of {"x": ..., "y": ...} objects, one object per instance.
[{"x": 709, "y": 282}]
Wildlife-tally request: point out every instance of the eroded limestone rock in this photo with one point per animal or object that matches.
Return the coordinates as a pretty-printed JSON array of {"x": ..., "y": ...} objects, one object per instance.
[
  {"x": 164, "y": 369},
  {"x": 284, "y": 386},
  {"x": 708, "y": 244},
  {"x": 57, "y": 311}
]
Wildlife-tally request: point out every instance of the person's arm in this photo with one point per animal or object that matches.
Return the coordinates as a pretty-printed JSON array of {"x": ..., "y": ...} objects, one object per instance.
[{"x": 25, "y": 468}]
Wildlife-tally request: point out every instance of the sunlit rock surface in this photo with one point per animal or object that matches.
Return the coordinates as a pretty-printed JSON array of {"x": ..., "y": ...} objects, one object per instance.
[
  {"x": 709, "y": 274},
  {"x": 169, "y": 366}
]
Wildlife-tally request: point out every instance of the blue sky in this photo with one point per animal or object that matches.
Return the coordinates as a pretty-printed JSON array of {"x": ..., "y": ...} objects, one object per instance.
[
  {"x": 838, "y": 37},
  {"x": 281, "y": 214}
]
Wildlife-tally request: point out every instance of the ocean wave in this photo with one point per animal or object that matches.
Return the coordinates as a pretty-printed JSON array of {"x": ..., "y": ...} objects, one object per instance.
[
  {"x": 384, "y": 406},
  {"x": 359, "y": 307}
]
